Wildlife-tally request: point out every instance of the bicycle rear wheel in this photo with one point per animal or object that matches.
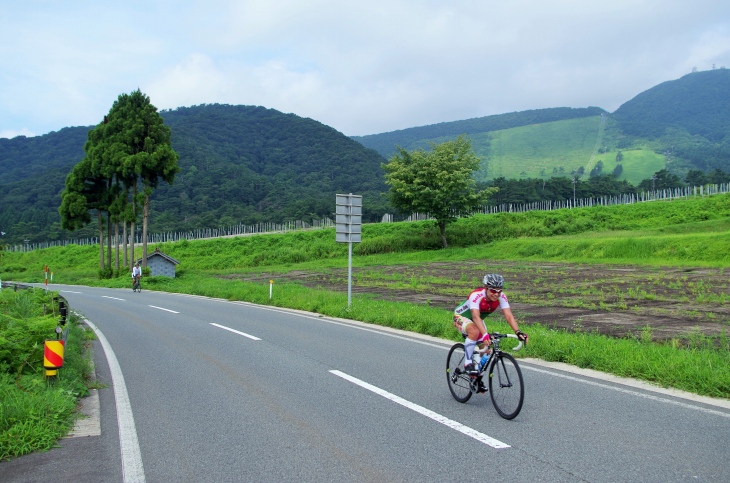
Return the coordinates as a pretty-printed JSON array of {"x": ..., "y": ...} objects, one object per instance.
[
  {"x": 459, "y": 382},
  {"x": 506, "y": 386}
]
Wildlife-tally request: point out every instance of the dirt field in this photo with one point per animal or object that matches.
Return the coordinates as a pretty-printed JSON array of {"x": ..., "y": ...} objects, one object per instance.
[{"x": 613, "y": 300}]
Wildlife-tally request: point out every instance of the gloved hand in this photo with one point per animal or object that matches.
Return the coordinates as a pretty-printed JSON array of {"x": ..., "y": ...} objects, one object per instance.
[{"x": 521, "y": 336}]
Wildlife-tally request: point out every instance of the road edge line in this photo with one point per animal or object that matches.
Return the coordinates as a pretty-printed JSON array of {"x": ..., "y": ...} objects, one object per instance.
[{"x": 132, "y": 468}]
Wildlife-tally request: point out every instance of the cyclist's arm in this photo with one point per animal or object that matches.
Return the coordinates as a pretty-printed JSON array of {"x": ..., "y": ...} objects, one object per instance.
[{"x": 510, "y": 319}]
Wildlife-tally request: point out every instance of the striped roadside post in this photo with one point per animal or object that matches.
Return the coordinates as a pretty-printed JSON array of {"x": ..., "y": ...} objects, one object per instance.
[{"x": 53, "y": 357}]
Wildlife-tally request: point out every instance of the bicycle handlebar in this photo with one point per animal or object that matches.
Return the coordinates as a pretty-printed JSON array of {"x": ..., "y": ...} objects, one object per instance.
[{"x": 511, "y": 336}]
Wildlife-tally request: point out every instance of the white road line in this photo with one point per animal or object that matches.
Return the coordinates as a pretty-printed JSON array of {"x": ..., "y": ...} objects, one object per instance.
[
  {"x": 235, "y": 331},
  {"x": 353, "y": 324},
  {"x": 69, "y": 291},
  {"x": 472, "y": 433},
  {"x": 628, "y": 391},
  {"x": 166, "y": 310},
  {"x": 132, "y": 469},
  {"x": 108, "y": 297}
]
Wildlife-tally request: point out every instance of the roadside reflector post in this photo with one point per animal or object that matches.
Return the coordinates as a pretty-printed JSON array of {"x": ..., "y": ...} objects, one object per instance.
[
  {"x": 53, "y": 356},
  {"x": 271, "y": 288},
  {"x": 63, "y": 311}
]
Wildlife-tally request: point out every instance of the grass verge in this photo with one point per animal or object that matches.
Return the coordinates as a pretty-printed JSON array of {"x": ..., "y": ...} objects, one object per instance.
[{"x": 34, "y": 413}]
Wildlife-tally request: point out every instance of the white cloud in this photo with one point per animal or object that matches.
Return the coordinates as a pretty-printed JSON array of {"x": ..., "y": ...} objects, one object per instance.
[{"x": 361, "y": 67}]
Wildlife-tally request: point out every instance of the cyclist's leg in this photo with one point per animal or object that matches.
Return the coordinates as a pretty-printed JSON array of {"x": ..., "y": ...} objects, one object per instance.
[{"x": 470, "y": 343}]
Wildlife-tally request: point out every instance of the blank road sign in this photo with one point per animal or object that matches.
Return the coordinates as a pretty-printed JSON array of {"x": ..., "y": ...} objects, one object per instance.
[{"x": 348, "y": 218}]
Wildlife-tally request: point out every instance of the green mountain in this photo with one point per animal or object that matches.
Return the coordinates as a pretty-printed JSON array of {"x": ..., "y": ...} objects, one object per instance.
[
  {"x": 697, "y": 103},
  {"x": 688, "y": 119},
  {"x": 678, "y": 125},
  {"x": 419, "y": 137},
  {"x": 244, "y": 164},
  {"x": 238, "y": 164}
]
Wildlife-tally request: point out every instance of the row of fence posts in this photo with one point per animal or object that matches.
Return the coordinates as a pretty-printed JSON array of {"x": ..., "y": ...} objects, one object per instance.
[{"x": 259, "y": 228}]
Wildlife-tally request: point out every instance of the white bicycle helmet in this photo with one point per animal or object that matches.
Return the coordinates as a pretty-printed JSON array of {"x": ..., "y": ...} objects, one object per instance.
[{"x": 494, "y": 280}]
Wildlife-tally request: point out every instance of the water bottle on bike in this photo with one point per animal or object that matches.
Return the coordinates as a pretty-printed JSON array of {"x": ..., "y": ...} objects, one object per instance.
[{"x": 483, "y": 362}]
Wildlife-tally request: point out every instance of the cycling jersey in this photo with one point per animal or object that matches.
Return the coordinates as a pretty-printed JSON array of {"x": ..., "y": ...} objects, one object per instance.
[{"x": 478, "y": 299}]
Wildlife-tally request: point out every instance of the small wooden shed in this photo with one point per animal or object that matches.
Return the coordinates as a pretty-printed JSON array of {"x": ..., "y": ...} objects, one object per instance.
[{"x": 161, "y": 264}]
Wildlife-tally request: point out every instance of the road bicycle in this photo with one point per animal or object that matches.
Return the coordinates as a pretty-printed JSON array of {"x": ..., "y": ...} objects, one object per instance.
[
  {"x": 505, "y": 384},
  {"x": 136, "y": 287}
]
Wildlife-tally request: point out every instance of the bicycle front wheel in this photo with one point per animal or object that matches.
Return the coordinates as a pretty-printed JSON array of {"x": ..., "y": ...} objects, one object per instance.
[
  {"x": 459, "y": 382},
  {"x": 506, "y": 386}
]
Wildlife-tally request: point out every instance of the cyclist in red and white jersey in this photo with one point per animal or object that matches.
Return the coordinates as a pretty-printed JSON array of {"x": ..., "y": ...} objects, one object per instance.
[{"x": 469, "y": 316}]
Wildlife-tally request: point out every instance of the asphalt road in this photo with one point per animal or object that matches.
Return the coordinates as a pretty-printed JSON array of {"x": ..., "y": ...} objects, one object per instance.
[{"x": 208, "y": 390}]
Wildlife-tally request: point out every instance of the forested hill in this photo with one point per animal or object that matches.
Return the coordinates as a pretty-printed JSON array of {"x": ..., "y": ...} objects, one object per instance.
[
  {"x": 698, "y": 103},
  {"x": 414, "y": 137},
  {"x": 688, "y": 117},
  {"x": 249, "y": 164},
  {"x": 22, "y": 157},
  {"x": 238, "y": 164}
]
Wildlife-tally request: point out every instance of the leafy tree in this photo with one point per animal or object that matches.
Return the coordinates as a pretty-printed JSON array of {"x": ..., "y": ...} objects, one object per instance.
[
  {"x": 439, "y": 182},
  {"x": 661, "y": 180},
  {"x": 718, "y": 176},
  {"x": 695, "y": 177},
  {"x": 85, "y": 191},
  {"x": 606, "y": 185},
  {"x": 619, "y": 157},
  {"x": 597, "y": 169}
]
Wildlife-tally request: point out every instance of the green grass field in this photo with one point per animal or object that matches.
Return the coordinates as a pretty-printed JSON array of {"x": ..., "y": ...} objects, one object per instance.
[
  {"x": 555, "y": 149},
  {"x": 537, "y": 151},
  {"x": 639, "y": 164}
]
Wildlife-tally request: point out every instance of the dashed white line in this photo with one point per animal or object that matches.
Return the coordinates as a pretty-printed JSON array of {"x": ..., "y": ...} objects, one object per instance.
[
  {"x": 166, "y": 310},
  {"x": 235, "y": 331},
  {"x": 114, "y": 298},
  {"x": 472, "y": 433}
]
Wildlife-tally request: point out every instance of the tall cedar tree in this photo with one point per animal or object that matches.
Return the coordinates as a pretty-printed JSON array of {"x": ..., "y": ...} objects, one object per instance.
[
  {"x": 131, "y": 146},
  {"x": 138, "y": 143}
]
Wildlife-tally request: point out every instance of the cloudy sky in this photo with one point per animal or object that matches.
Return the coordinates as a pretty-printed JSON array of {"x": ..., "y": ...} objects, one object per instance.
[{"x": 362, "y": 67}]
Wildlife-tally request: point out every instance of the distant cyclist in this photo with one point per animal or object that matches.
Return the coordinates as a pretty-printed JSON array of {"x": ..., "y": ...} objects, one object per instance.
[
  {"x": 136, "y": 276},
  {"x": 469, "y": 316}
]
